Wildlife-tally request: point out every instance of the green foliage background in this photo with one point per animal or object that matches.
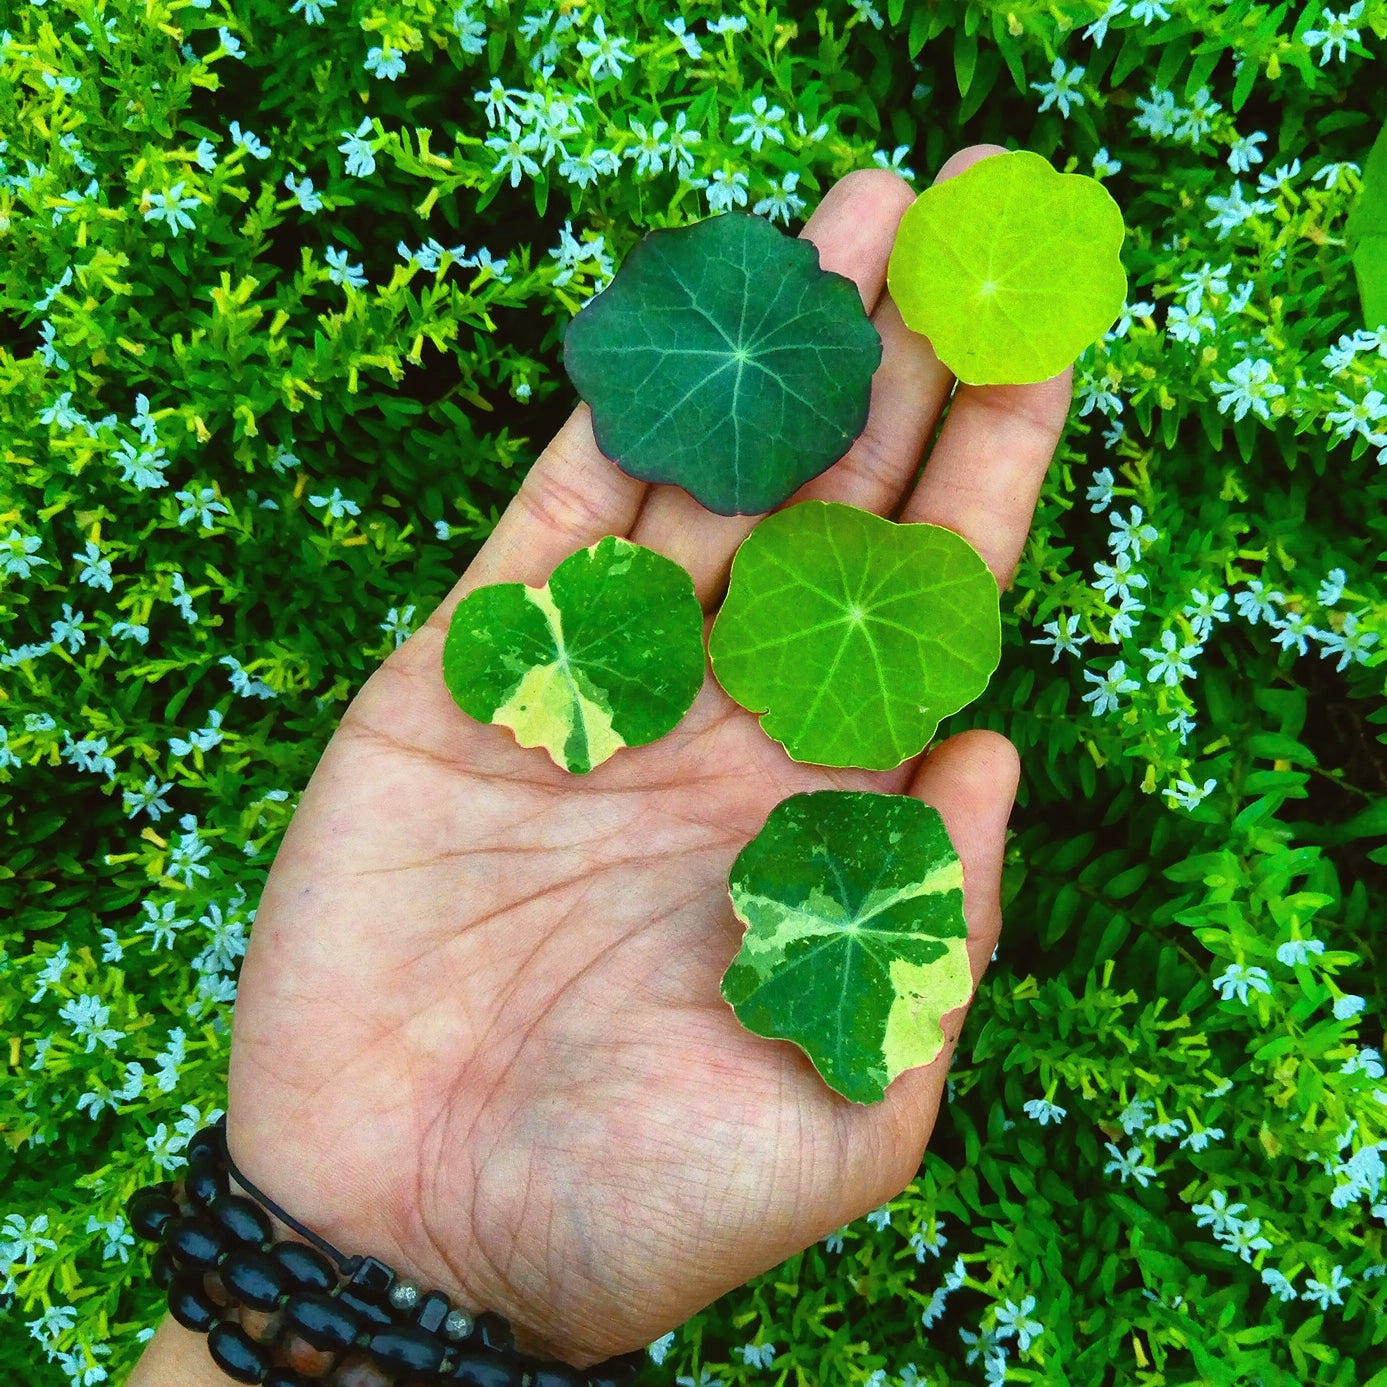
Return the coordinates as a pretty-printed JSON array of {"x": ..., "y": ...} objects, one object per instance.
[{"x": 1209, "y": 1208}]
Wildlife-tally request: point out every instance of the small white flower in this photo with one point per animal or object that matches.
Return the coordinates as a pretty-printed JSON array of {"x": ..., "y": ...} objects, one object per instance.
[
  {"x": 1062, "y": 639},
  {"x": 1249, "y": 386},
  {"x": 759, "y": 124},
  {"x": 605, "y": 54},
  {"x": 337, "y": 504},
  {"x": 248, "y": 140},
  {"x": 1238, "y": 979},
  {"x": 302, "y": 189},
  {"x": 312, "y": 9},
  {"x": 171, "y": 207},
  {"x": 1186, "y": 794},
  {"x": 1061, "y": 89},
  {"x": 783, "y": 203},
  {"x": 1043, "y": 1111},
  {"x": 1109, "y": 687},
  {"x": 1169, "y": 664},
  {"x": 361, "y": 161},
  {"x": 384, "y": 63},
  {"x": 1338, "y": 29},
  {"x": 1104, "y": 165},
  {"x": 339, "y": 272},
  {"x": 1244, "y": 152},
  {"x": 231, "y": 43}
]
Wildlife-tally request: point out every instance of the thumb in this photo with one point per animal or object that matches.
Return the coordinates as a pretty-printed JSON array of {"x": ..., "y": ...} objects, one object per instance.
[{"x": 971, "y": 779}]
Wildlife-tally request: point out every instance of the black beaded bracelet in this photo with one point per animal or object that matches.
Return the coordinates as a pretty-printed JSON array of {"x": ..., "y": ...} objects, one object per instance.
[{"x": 287, "y": 1314}]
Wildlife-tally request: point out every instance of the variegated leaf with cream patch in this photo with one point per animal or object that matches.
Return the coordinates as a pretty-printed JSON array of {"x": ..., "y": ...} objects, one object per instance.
[
  {"x": 856, "y": 942},
  {"x": 607, "y": 654}
]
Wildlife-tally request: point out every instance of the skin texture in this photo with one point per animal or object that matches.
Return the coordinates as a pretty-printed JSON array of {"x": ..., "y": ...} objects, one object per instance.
[{"x": 479, "y": 1032}]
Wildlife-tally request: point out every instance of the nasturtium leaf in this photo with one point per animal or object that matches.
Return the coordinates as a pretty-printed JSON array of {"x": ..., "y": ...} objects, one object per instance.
[
  {"x": 724, "y": 359},
  {"x": 854, "y": 635},
  {"x": 1010, "y": 268},
  {"x": 856, "y": 942},
  {"x": 607, "y": 654}
]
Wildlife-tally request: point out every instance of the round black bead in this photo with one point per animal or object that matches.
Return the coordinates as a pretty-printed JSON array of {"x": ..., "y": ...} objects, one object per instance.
[
  {"x": 495, "y": 1332},
  {"x": 162, "y": 1268},
  {"x": 204, "y": 1181},
  {"x": 559, "y": 1375},
  {"x": 245, "y": 1220},
  {"x": 407, "y": 1348},
  {"x": 254, "y": 1279},
  {"x": 475, "y": 1368},
  {"x": 308, "y": 1269},
  {"x": 190, "y": 1304},
  {"x": 286, "y": 1377},
  {"x": 196, "y": 1242},
  {"x": 149, "y": 1210},
  {"x": 431, "y": 1311},
  {"x": 236, "y": 1354},
  {"x": 322, "y": 1321},
  {"x": 210, "y": 1140}
]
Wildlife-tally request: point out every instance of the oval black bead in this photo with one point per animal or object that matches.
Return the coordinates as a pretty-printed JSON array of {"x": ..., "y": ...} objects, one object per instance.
[
  {"x": 196, "y": 1242},
  {"x": 162, "y": 1268},
  {"x": 254, "y": 1279},
  {"x": 308, "y": 1269},
  {"x": 286, "y": 1377},
  {"x": 190, "y": 1304},
  {"x": 495, "y": 1332},
  {"x": 245, "y": 1220},
  {"x": 559, "y": 1375},
  {"x": 204, "y": 1181},
  {"x": 208, "y": 1140},
  {"x": 407, "y": 1348},
  {"x": 431, "y": 1311},
  {"x": 236, "y": 1354},
  {"x": 322, "y": 1321},
  {"x": 474, "y": 1368},
  {"x": 149, "y": 1210}
]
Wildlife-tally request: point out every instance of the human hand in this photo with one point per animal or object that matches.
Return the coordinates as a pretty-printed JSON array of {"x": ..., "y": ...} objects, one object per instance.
[{"x": 479, "y": 1032}]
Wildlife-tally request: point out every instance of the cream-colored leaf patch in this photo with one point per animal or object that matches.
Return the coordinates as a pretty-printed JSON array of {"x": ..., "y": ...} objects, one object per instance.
[{"x": 547, "y": 709}]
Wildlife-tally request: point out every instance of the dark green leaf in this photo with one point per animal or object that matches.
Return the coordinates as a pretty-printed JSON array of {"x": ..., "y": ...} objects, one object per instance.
[{"x": 723, "y": 359}]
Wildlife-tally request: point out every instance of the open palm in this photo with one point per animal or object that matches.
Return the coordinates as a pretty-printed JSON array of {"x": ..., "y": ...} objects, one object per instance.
[{"x": 479, "y": 1031}]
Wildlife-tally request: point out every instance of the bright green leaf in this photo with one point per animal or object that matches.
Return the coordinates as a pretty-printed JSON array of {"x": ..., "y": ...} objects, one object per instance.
[
  {"x": 853, "y": 635},
  {"x": 722, "y": 358},
  {"x": 1010, "y": 269},
  {"x": 608, "y": 653},
  {"x": 856, "y": 944}
]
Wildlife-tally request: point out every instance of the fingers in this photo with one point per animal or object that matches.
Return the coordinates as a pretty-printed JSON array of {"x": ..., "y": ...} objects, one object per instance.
[
  {"x": 571, "y": 497},
  {"x": 971, "y": 779},
  {"x": 853, "y": 228}
]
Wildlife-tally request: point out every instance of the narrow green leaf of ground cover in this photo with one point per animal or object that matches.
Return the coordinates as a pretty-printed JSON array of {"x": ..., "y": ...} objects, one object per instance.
[
  {"x": 853, "y": 635},
  {"x": 723, "y": 359},
  {"x": 856, "y": 943},
  {"x": 609, "y": 653},
  {"x": 1010, "y": 269}
]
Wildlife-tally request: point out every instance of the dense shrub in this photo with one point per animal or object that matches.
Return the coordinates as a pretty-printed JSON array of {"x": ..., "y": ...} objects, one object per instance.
[{"x": 281, "y": 291}]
